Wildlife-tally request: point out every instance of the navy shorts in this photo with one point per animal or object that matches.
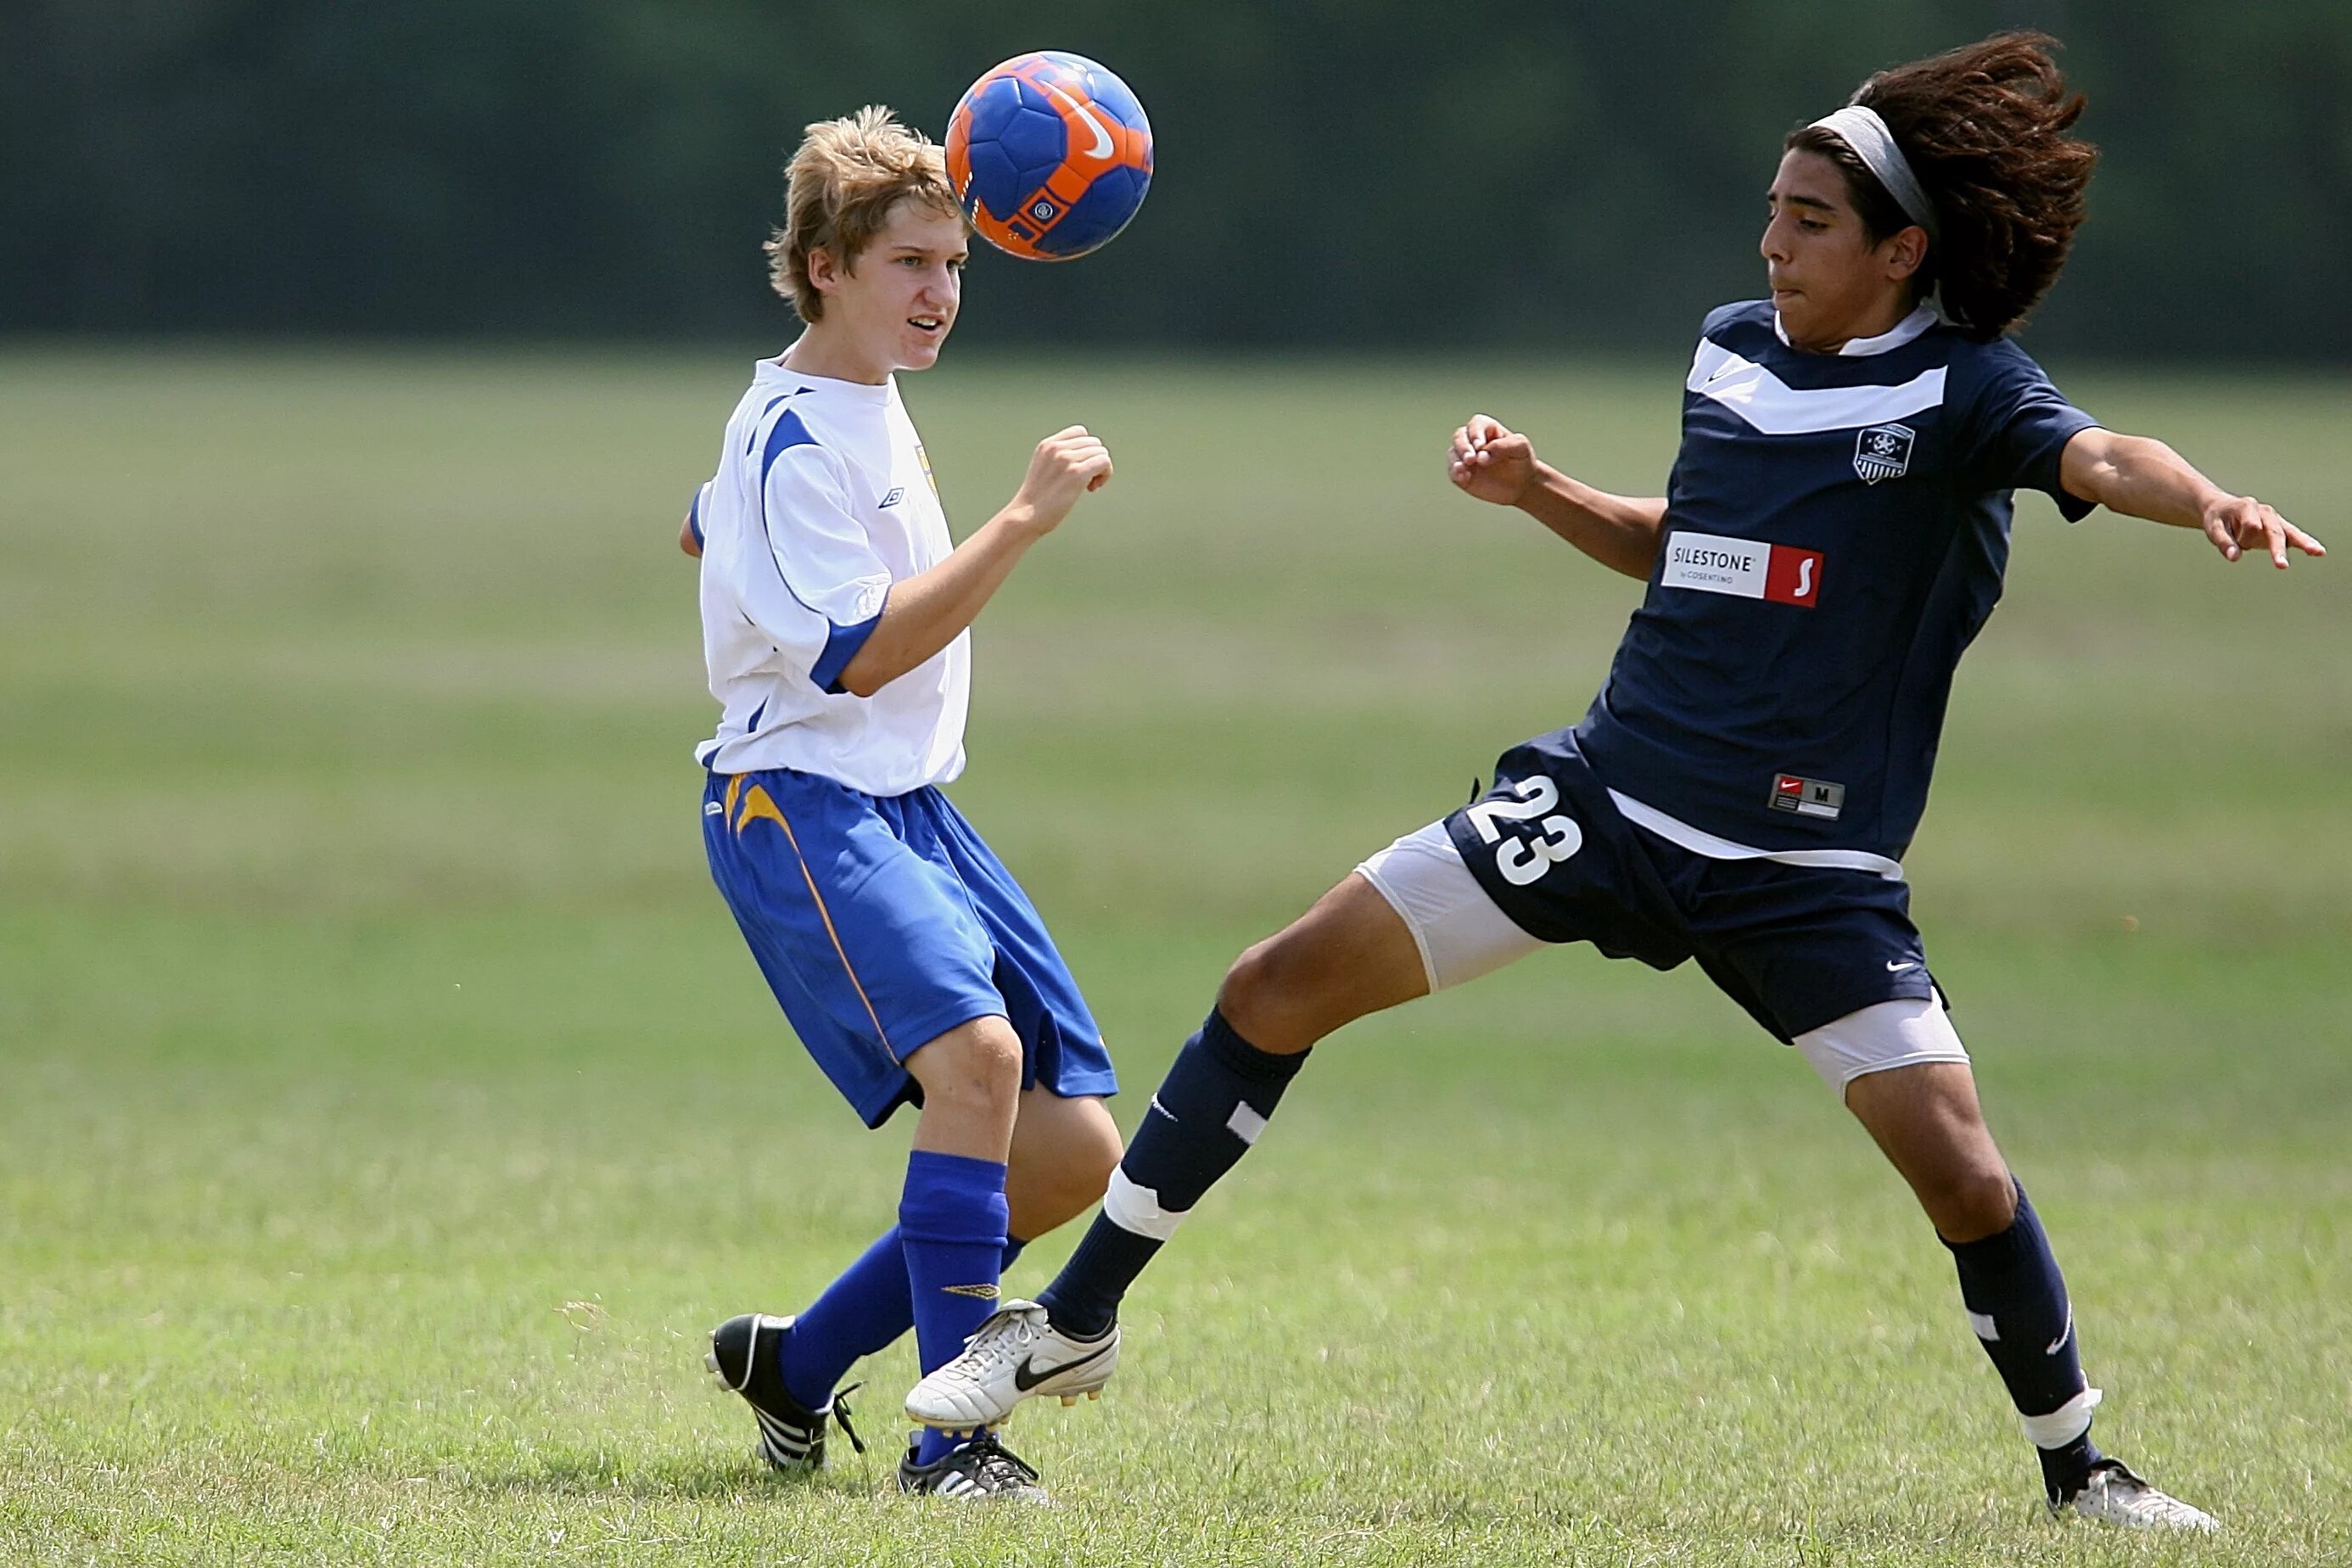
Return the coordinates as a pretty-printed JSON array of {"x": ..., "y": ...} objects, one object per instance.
[
  {"x": 1797, "y": 946},
  {"x": 882, "y": 922}
]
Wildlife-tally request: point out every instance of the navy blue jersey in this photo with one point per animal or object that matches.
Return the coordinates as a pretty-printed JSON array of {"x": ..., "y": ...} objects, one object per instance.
[{"x": 1835, "y": 532}]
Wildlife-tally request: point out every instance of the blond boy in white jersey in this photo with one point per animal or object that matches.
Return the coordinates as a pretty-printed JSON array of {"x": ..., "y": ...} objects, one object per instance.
[{"x": 836, "y": 613}]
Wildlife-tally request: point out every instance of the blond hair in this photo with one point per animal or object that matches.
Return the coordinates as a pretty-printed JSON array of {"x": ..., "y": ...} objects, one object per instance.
[{"x": 839, "y": 191}]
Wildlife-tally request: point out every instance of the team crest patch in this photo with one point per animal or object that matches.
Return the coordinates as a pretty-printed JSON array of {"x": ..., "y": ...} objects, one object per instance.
[{"x": 1883, "y": 452}]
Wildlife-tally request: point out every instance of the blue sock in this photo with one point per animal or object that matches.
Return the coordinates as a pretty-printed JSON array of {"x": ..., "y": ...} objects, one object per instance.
[
  {"x": 951, "y": 1230},
  {"x": 864, "y": 1310},
  {"x": 2017, "y": 1302},
  {"x": 1210, "y": 1108}
]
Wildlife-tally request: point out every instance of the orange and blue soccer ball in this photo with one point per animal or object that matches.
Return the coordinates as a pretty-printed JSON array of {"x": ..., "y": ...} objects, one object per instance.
[{"x": 1050, "y": 155}]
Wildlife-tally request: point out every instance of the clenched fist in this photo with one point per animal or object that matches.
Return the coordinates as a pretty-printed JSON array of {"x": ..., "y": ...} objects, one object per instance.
[
  {"x": 1066, "y": 466},
  {"x": 1491, "y": 462}
]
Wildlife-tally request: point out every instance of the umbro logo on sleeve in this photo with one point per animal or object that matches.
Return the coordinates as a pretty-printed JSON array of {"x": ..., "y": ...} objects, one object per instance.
[
  {"x": 898, "y": 493},
  {"x": 1743, "y": 568}
]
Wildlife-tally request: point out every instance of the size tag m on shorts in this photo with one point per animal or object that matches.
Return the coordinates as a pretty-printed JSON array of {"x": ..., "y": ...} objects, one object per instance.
[
  {"x": 1780, "y": 573},
  {"x": 1807, "y": 797}
]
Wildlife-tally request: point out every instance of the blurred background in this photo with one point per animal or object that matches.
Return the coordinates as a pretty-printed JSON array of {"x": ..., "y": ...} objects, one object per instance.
[
  {"x": 1374, "y": 173},
  {"x": 388, "y": 1105}
]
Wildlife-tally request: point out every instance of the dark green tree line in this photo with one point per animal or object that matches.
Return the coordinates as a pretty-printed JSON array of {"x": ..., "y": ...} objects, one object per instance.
[{"x": 1492, "y": 174}]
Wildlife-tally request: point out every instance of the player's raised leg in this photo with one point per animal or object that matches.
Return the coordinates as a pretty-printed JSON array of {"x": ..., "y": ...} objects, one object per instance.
[
  {"x": 1925, "y": 1118},
  {"x": 1408, "y": 920}
]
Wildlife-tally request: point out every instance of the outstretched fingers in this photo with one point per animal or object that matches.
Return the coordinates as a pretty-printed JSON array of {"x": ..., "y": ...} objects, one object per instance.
[
  {"x": 2243, "y": 523},
  {"x": 2300, "y": 540}
]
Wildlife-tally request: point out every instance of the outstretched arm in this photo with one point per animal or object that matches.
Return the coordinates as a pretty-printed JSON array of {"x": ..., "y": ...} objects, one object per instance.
[
  {"x": 2143, "y": 477},
  {"x": 928, "y": 610},
  {"x": 1498, "y": 464}
]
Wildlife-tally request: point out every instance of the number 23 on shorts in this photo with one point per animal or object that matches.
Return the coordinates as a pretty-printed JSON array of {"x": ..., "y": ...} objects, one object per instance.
[{"x": 1522, "y": 860}]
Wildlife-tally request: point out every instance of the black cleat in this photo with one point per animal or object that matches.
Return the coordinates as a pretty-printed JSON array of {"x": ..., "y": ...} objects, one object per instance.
[
  {"x": 743, "y": 1352},
  {"x": 982, "y": 1470}
]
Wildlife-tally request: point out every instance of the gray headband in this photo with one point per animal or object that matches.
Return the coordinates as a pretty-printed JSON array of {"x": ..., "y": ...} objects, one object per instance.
[{"x": 1861, "y": 130}]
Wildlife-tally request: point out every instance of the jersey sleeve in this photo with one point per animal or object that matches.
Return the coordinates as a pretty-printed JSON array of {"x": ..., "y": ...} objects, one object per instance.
[
  {"x": 820, "y": 554},
  {"x": 2020, "y": 429}
]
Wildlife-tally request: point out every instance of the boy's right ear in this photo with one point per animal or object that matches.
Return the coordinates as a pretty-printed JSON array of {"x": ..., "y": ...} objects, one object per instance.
[{"x": 825, "y": 269}]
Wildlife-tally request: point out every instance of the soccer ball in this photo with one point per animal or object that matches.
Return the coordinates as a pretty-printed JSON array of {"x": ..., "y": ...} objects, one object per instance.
[{"x": 1050, "y": 155}]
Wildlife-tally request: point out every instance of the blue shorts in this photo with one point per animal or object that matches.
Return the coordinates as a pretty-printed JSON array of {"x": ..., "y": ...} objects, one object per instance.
[
  {"x": 1797, "y": 946},
  {"x": 882, "y": 922}
]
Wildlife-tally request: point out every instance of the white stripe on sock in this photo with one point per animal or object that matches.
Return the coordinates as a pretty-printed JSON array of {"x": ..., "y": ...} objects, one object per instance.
[
  {"x": 1136, "y": 1209},
  {"x": 2064, "y": 1424}
]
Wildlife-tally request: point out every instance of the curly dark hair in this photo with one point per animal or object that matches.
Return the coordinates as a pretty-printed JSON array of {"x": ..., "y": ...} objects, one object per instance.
[{"x": 1984, "y": 128}]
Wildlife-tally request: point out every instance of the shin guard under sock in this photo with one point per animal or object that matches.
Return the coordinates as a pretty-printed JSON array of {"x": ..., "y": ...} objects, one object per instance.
[
  {"x": 1210, "y": 1108},
  {"x": 951, "y": 1222},
  {"x": 2016, "y": 1300}
]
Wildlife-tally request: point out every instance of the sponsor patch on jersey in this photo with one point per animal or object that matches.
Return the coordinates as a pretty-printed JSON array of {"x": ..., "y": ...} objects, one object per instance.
[
  {"x": 1883, "y": 452},
  {"x": 1808, "y": 797},
  {"x": 1744, "y": 568},
  {"x": 898, "y": 493}
]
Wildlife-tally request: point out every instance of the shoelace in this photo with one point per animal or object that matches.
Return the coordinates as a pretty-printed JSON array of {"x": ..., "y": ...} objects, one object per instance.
[
  {"x": 2121, "y": 1477},
  {"x": 841, "y": 1415},
  {"x": 997, "y": 1344},
  {"x": 992, "y": 1459}
]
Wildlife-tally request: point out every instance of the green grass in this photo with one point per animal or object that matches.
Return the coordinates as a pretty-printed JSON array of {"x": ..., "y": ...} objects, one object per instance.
[{"x": 387, "y": 1107}]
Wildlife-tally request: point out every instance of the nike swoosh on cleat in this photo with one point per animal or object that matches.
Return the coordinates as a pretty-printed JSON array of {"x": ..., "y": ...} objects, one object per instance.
[{"x": 1024, "y": 1379}]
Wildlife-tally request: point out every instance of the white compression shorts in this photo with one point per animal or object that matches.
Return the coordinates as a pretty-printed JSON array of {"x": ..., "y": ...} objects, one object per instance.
[{"x": 1462, "y": 934}]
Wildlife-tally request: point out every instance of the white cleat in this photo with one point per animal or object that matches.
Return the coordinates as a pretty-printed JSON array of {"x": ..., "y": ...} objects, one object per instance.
[
  {"x": 1016, "y": 1354},
  {"x": 2114, "y": 1495}
]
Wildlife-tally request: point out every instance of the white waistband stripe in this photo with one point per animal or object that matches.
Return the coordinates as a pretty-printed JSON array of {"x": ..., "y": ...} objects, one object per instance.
[{"x": 1699, "y": 841}]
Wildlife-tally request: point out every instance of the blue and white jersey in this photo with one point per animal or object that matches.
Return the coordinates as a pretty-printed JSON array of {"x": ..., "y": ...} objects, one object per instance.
[
  {"x": 823, "y": 500},
  {"x": 1835, "y": 533}
]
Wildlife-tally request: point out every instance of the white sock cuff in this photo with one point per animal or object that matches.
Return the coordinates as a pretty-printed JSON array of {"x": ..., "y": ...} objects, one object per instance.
[
  {"x": 2064, "y": 1424},
  {"x": 1136, "y": 1209}
]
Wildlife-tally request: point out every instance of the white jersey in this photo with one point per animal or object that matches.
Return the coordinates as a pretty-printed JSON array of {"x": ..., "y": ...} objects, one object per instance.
[{"x": 823, "y": 500}]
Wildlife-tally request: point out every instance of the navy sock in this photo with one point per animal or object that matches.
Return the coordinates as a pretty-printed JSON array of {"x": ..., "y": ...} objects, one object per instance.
[
  {"x": 1210, "y": 1108},
  {"x": 2017, "y": 1303},
  {"x": 951, "y": 1229},
  {"x": 864, "y": 1310}
]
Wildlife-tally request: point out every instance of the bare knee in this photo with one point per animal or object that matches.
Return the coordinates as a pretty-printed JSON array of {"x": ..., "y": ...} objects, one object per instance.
[
  {"x": 971, "y": 1076},
  {"x": 1270, "y": 996},
  {"x": 1927, "y": 1120},
  {"x": 1971, "y": 1203}
]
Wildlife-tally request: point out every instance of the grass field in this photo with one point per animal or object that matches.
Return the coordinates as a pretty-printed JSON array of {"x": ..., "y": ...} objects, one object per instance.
[{"x": 388, "y": 1107}]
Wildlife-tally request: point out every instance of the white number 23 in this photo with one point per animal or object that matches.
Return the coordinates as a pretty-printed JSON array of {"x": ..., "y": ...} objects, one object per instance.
[{"x": 1522, "y": 860}]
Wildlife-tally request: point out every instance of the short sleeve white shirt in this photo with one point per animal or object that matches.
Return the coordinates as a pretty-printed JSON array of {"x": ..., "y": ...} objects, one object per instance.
[{"x": 823, "y": 500}]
